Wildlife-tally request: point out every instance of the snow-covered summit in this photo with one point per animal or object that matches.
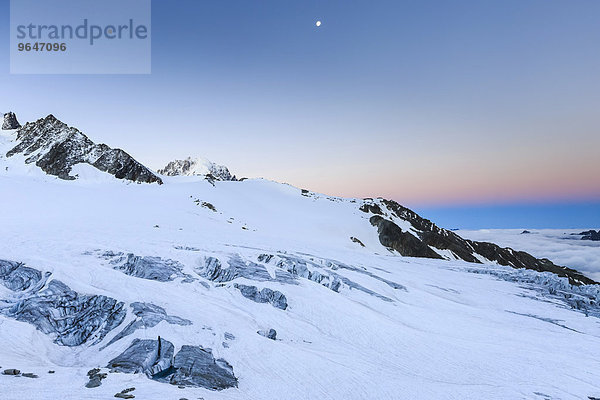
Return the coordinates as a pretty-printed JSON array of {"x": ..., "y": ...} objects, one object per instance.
[{"x": 197, "y": 167}]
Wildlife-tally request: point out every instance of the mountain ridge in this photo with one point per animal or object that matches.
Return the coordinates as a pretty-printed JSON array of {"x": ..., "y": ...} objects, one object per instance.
[{"x": 56, "y": 148}]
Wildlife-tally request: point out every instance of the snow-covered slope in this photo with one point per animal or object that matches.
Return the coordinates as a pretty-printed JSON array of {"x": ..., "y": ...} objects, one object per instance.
[
  {"x": 197, "y": 167},
  {"x": 174, "y": 289}
]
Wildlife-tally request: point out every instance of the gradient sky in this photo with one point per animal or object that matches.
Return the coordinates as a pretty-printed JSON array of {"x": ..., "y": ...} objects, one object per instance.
[{"x": 431, "y": 103}]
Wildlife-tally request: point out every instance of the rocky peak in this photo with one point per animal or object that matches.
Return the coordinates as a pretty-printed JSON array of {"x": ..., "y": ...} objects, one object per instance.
[
  {"x": 10, "y": 121},
  {"x": 197, "y": 167},
  {"x": 56, "y": 148},
  {"x": 425, "y": 239}
]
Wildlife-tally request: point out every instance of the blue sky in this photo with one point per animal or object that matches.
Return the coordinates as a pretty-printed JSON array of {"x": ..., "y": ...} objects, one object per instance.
[{"x": 436, "y": 104}]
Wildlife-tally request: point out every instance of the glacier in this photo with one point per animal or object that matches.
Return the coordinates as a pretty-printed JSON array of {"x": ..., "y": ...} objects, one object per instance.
[{"x": 144, "y": 289}]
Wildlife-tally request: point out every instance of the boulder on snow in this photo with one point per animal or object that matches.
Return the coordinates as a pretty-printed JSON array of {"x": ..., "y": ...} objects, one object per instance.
[
  {"x": 11, "y": 371},
  {"x": 270, "y": 334}
]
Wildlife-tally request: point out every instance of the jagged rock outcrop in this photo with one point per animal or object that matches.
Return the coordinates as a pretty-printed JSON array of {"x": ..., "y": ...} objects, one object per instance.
[
  {"x": 10, "y": 121},
  {"x": 193, "y": 366},
  {"x": 265, "y": 295},
  {"x": 591, "y": 235},
  {"x": 427, "y": 235},
  {"x": 56, "y": 148},
  {"x": 405, "y": 243},
  {"x": 197, "y": 167}
]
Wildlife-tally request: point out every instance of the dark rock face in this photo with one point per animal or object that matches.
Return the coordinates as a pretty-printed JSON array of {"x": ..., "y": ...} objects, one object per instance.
[
  {"x": 193, "y": 366},
  {"x": 591, "y": 235},
  {"x": 56, "y": 148},
  {"x": 10, "y": 121},
  {"x": 265, "y": 295},
  {"x": 371, "y": 208},
  {"x": 391, "y": 236}
]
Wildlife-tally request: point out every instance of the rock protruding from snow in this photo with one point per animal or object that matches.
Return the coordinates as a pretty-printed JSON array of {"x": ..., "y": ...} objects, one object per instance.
[
  {"x": 197, "y": 167},
  {"x": 426, "y": 237},
  {"x": 270, "y": 334},
  {"x": 10, "y": 122},
  {"x": 56, "y": 148}
]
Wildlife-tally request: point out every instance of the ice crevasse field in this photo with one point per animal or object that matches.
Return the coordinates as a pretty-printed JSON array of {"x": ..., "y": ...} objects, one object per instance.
[{"x": 356, "y": 320}]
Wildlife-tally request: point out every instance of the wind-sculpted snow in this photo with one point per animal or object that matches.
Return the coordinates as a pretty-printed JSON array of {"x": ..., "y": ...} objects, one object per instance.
[
  {"x": 265, "y": 295},
  {"x": 193, "y": 366},
  {"x": 72, "y": 318},
  {"x": 148, "y": 316},
  {"x": 17, "y": 277},
  {"x": 152, "y": 268},
  {"x": 583, "y": 298}
]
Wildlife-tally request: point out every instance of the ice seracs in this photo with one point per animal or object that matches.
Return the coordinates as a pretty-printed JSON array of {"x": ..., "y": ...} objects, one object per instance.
[{"x": 197, "y": 167}]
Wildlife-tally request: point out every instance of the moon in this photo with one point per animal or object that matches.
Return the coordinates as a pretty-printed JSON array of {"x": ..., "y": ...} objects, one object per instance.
[{"x": 318, "y": 23}]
